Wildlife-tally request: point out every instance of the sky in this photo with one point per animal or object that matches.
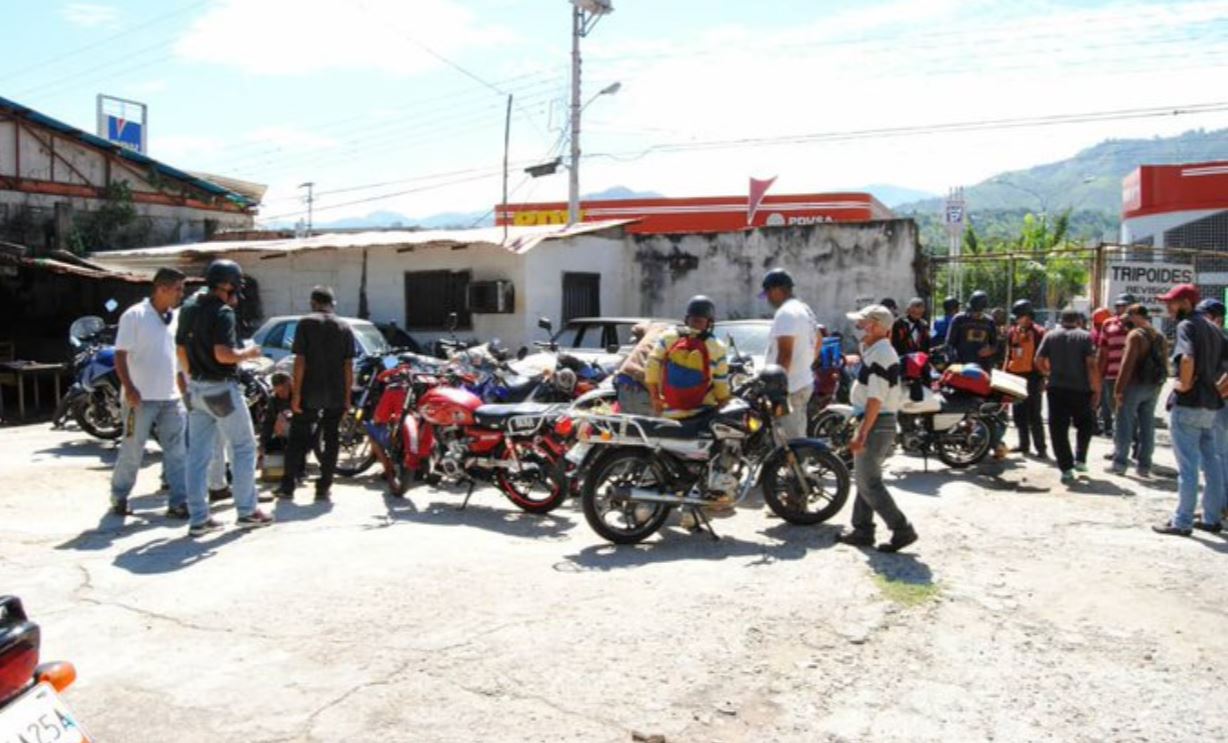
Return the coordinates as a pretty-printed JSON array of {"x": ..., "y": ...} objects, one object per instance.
[{"x": 398, "y": 105}]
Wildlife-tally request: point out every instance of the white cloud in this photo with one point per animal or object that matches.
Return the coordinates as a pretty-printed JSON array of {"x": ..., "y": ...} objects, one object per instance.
[
  {"x": 180, "y": 150},
  {"x": 300, "y": 37},
  {"x": 89, "y": 15},
  {"x": 289, "y": 138},
  {"x": 148, "y": 87}
]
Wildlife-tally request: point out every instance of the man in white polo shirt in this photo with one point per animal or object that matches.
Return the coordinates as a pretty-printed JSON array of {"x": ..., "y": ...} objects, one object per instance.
[
  {"x": 145, "y": 361},
  {"x": 791, "y": 346}
]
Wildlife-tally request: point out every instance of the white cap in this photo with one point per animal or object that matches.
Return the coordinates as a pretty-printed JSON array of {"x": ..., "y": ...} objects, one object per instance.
[{"x": 875, "y": 313}]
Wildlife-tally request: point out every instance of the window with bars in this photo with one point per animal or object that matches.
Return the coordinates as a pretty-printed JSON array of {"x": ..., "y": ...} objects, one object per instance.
[
  {"x": 581, "y": 295},
  {"x": 430, "y": 296}
]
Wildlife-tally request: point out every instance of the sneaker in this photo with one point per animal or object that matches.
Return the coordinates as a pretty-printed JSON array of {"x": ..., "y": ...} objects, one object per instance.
[
  {"x": 1215, "y": 528},
  {"x": 219, "y": 495},
  {"x": 1168, "y": 528},
  {"x": 1042, "y": 454},
  {"x": 1117, "y": 469},
  {"x": 285, "y": 494},
  {"x": 1081, "y": 467},
  {"x": 856, "y": 538},
  {"x": 1068, "y": 476},
  {"x": 900, "y": 539},
  {"x": 1143, "y": 472},
  {"x": 254, "y": 520},
  {"x": 179, "y": 513},
  {"x": 120, "y": 509},
  {"x": 1109, "y": 457},
  {"x": 208, "y": 526},
  {"x": 324, "y": 496}
]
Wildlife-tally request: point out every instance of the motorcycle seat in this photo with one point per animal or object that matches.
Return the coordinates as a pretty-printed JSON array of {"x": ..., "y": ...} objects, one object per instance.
[
  {"x": 495, "y": 416},
  {"x": 518, "y": 391},
  {"x": 962, "y": 403},
  {"x": 689, "y": 428}
]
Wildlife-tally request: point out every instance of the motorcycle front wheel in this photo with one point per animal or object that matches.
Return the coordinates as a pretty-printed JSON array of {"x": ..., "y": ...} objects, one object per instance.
[
  {"x": 613, "y": 516},
  {"x": 823, "y": 494},
  {"x": 965, "y": 444},
  {"x": 100, "y": 415}
]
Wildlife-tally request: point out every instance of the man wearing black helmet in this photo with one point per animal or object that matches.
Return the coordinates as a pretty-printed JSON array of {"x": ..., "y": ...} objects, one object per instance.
[
  {"x": 791, "y": 346},
  {"x": 687, "y": 373},
  {"x": 209, "y": 350},
  {"x": 950, "y": 308},
  {"x": 911, "y": 333},
  {"x": 1022, "y": 341},
  {"x": 972, "y": 335}
]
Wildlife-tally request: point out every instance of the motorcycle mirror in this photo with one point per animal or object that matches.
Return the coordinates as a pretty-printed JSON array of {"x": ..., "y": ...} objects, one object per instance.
[
  {"x": 545, "y": 324},
  {"x": 522, "y": 353},
  {"x": 111, "y": 305},
  {"x": 453, "y": 322}
]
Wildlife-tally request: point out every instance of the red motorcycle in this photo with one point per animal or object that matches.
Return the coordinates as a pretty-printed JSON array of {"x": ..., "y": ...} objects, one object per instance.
[{"x": 435, "y": 432}]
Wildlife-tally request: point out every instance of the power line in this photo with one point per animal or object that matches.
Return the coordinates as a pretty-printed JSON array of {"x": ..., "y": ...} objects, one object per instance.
[{"x": 94, "y": 45}]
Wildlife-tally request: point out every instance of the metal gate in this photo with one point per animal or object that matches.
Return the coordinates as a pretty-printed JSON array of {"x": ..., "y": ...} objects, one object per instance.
[{"x": 581, "y": 295}]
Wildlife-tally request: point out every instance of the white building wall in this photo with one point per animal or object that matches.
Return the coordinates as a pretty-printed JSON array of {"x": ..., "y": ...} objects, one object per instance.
[
  {"x": 1155, "y": 225},
  {"x": 836, "y": 267},
  {"x": 547, "y": 263}
]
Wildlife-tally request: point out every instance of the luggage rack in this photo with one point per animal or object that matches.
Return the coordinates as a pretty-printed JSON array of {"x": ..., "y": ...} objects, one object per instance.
[{"x": 606, "y": 429}]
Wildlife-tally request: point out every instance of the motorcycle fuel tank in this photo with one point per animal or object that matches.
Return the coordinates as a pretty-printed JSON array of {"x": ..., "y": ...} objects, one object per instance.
[{"x": 448, "y": 406}]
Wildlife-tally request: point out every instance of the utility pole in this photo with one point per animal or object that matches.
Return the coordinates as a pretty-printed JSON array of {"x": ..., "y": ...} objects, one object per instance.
[
  {"x": 573, "y": 184},
  {"x": 584, "y": 16},
  {"x": 954, "y": 214},
  {"x": 507, "y": 140},
  {"x": 310, "y": 186}
]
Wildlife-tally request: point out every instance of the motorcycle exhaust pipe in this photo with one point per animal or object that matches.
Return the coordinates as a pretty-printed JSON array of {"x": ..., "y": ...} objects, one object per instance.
[{"x": 651, "y": 496}]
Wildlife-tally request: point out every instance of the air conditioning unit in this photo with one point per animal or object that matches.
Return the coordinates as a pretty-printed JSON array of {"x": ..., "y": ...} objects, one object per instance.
[{"x": 490, "y": 298}]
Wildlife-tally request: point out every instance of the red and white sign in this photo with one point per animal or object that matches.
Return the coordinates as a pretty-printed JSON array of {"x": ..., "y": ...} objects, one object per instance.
[
  {"x": 1159, "y": 189},
  {"x": 706, "y": 213}
]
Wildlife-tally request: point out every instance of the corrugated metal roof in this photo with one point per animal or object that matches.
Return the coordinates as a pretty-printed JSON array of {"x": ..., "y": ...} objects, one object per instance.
[
  {"x": 520, "y": 240},
  {"x": 44, "y": 120}
]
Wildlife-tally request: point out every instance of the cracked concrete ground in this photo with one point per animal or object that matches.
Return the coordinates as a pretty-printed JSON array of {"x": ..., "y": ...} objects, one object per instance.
[{"x": 1036, "y": 613}]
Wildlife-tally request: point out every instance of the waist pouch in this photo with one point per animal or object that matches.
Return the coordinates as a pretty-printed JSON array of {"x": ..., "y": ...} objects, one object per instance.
[{"x": 220, "y": 404}]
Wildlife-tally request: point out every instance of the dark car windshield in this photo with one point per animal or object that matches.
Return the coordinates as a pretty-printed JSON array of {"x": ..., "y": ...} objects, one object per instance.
[
  {"x": 594, "y": 336},
  {"x": 369, "y": 339}
]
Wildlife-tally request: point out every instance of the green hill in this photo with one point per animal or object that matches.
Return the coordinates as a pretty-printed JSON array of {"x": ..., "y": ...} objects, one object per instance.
[{"x": 1089, "y": 184}]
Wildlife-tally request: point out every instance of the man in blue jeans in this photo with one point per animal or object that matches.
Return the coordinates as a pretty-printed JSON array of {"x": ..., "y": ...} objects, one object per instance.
[
  {"x": 208, "y": 348},
  {"x": 1143, "y": 369},
  {"x": 145, "y": 364},
  {"x": 1198, "y": 356},
  {"x": 1214, "y": 309}
]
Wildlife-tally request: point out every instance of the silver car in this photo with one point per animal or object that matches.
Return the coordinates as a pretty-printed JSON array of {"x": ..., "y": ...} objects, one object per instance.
[{"x": 276, "y": 336}]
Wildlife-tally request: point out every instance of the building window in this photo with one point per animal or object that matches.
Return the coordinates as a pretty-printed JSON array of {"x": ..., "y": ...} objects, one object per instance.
[
  {"x": 430, "y": 296},
  {"x": 581, "y": 295}
]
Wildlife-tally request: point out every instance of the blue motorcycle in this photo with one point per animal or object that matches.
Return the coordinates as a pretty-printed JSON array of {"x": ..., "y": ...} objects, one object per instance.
[{"x": 95, "y": 396}]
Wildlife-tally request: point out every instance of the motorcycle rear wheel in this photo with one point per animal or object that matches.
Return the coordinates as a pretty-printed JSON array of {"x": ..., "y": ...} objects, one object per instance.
[
  {"x": 827, "y": 480},
  {"x": 540, "y": 493},
  {"x": 354, "y": 456},
  {"x": 964, "y": 445},
  {"x": 618, "y": 520}
]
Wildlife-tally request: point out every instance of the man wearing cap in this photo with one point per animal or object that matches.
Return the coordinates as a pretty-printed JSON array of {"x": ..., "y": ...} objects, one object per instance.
[
  {"x": 792, "y": 341},
  {"x": 1144, "y": 367},
  {"x": 323, "y": 381},
  {"x": 1198, "y": 357},
  {"x": 1110, "y": 347},
  {"x": 911, "y": 333},
  {"x": 1067, "y": 357},
  {"x": 876, "y": 396}
]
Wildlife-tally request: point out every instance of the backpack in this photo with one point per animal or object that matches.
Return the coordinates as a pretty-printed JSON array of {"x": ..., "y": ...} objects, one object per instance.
[
  {"x": 687, "y": 374},
  {"x": 1153, "y": 368}
]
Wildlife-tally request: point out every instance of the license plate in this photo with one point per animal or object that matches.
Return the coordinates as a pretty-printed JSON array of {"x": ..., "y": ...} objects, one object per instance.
[
  {"x": 40, "y": 716},
  {"x": 575, "y": 455}
]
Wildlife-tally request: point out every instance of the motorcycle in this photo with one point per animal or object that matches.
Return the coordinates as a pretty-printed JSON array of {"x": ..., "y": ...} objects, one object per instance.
[
  {"x": 31, "y": 708},
  {"x": 638, "y": 469},
  {"x": 94, "y": 400},
  {"x": 438, "y": 433},
  {"x": 951, "y": 418}
]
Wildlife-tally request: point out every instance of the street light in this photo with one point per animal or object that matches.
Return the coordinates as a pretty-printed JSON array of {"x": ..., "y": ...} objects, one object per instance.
[
  {"x": 610, "y": 89},
  {"x": 585, "y": 14}
]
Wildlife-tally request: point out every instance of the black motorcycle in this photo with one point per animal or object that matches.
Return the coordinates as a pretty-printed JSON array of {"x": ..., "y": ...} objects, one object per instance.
[
  {"x": 638, "y": 469},
  {"x": 94, "y": 400}
]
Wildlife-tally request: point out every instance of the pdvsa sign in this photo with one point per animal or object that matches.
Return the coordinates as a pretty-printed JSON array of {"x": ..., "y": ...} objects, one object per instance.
[{"x": 541, "y": 217}]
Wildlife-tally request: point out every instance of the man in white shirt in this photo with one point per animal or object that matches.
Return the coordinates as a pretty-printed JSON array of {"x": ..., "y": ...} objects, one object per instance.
[
  {"x": 791, "y": 346},
  {"x": 876, "y": 396},
  {"x": 145, "y": 361}
]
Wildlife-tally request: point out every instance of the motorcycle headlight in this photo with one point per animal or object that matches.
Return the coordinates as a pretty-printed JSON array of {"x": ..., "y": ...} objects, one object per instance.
[{"x": 752, "y": 422}]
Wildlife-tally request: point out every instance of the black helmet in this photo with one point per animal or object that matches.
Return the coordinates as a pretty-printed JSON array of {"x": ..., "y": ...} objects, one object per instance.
[
  {"x": 1211, "y": 306},
  {"x": 777, "y": 278},
  {"x": 890, "y": 304},
  {"x": 950, "y": 304},
  {"x": 978, "y": 301},
  {"x": 700, "y": 306},
  {"x": 224, "y": 272},
  {"x": 1124, "y": 299},
  {"x": 1021, "y": 308},
  {"x": 775, "y": 381}
]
